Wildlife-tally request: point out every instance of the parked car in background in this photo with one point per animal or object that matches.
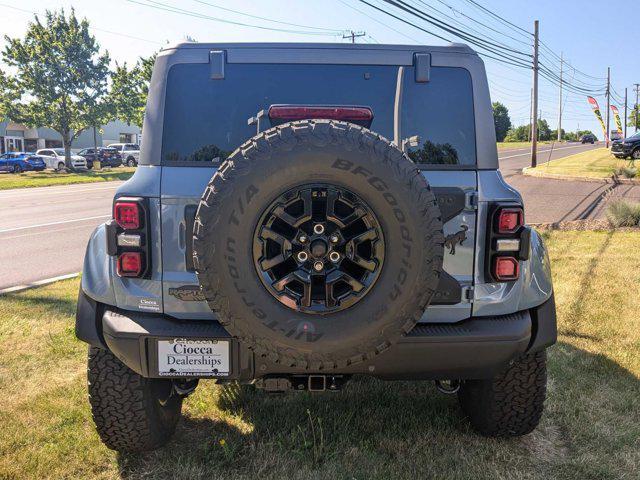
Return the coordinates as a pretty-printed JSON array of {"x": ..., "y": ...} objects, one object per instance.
[
  {"x": 108, "y": 157},
  {"x": 130, "y": 153},
  {"x": 628, "y": 147},
  {"x": 17, "y": 162},
  {"x": 588, "y": 138},
  {"x": 54, "y": 158}
]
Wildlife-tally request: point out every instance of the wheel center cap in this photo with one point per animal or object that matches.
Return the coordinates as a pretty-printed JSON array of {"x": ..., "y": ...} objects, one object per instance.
[{"x": 319, "y": 248}]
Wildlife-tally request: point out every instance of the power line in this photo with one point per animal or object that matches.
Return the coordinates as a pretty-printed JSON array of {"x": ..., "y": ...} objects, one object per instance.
[
  {"x": 378, "y": 21},
  {"x": 337, "y": 32},
  {"x": 503, "y": 20},
  {"x": 132, "y": 37},
  {"x": 190, "y": 13},
  {"x": 491, "y": 46},
  {"x": 455, "y": 11}
]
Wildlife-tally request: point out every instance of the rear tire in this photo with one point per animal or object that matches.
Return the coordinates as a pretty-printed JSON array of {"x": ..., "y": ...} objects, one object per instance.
[
  {"x": 131, "y": 413},
  {"x": 131, "y": 162},
  {"x": 17, "y": 169},
  {"x": 635, "y": 155},
  {"x": 511, "y": 403}
]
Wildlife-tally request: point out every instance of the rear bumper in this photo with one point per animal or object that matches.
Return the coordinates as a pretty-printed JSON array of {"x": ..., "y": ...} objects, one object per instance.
[{"x": 474, "y": 348}]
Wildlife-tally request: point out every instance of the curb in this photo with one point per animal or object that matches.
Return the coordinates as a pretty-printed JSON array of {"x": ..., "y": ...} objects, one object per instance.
[
  {"x": 612, "y": 180},
  {"x": 38, "y": 283}
]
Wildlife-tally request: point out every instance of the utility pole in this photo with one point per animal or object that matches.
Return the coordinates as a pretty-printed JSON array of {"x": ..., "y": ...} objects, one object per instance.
[
  {"x": 608, "y": 104},
  {"x": 534, "y": 122},
  {"x": 635, "y": 109},
  {"x": 560, "y": 102},
  {"x": 531, "y": 115},
  {"x": 353, "y": 35},
  {"x": 625, "y": 112}
]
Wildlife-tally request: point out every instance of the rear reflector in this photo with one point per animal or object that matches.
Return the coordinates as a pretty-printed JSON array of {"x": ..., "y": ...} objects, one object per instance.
[
  {"x": 510, "y": 220},
  {"x": 130, "y": 264},
  {"x": 127, "y": 215},
  {"x": 293, "y": 112},
  {"x": 505, "y": 269}
]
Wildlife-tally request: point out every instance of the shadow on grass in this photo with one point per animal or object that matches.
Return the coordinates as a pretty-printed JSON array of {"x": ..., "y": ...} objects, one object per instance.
[
  {"x": 63, "y": 306},
  {"x": 375, "y": 429}
]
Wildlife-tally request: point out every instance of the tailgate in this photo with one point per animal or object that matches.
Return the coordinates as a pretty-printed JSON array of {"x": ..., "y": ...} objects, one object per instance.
[{"x": 182, "y": 299}]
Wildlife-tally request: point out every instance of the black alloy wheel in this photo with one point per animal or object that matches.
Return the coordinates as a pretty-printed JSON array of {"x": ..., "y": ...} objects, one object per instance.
[{"x": 318, "y": 248}]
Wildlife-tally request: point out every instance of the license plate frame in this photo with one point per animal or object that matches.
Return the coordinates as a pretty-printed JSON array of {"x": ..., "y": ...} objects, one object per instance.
[{"x": 193, "y": 357}]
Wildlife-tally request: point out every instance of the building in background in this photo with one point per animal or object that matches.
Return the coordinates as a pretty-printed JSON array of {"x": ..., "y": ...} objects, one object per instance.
[{"x": 15, "y": 137}]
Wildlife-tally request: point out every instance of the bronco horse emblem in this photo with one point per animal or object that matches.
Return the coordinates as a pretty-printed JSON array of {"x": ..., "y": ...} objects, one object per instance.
[{"x": 456, "y": 238}]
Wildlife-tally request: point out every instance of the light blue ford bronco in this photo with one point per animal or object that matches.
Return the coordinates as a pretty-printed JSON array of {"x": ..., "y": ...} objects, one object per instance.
[{"x": 305, "y": 212}]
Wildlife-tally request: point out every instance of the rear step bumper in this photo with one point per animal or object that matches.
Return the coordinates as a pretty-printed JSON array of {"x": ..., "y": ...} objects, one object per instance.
[{"x": 475, "y": 348}]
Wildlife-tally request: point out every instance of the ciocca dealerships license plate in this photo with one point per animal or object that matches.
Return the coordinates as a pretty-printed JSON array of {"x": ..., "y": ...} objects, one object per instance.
[{"x": 182, "y": 357}]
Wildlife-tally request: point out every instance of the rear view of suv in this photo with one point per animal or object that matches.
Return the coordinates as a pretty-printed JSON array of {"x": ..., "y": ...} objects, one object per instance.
[
  {"x": 304, "y": 213},
  {"x": 130, "y": 153}
]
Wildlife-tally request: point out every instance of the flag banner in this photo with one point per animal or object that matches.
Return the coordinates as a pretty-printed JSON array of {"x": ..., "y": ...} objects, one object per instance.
[
  {"x": 596, "y": 111},
  {"x": 616, "y": 116}
]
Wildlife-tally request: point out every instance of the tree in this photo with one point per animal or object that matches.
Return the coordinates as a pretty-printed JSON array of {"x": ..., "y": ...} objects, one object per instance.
[
  {"x": 518, "y": 134},
  {"x": 501, "y": 120},
  {"x": 634, "y": 117},
  {"x": 544, "y": 132},
  {"x": 129, "y": 90},
  {"x": 60, "y": 78}
]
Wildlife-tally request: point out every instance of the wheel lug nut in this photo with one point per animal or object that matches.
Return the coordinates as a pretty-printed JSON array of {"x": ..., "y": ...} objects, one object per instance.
[
  {"x": 318, "y": 229},
  {"x": 302, "y": 239},
  {"x": 318, "y": 266},
  {"x": 334, "y": 238},
  {"x": 334, "y": 257},
  {"x": 302, "y": 256}
]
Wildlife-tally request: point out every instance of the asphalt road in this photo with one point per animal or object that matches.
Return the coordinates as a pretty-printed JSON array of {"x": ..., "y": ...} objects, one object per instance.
[
  {"x": 512, "y": 161},
  {"x": 548, "y": 200},
  {"x": 44, "y": 231}
]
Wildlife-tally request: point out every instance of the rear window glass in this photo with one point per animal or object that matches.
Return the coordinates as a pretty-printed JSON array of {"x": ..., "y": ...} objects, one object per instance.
[
  {"x": 440, "y": 112},
  {"x": 205, "y": 119}
]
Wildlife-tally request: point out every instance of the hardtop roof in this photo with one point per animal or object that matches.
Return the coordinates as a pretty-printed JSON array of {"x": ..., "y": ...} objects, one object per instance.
[{"x": 450, "y": 48}]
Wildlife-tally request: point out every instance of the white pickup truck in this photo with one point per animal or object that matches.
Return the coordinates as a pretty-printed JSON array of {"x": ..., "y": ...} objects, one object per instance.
[
  {"x": 54, "y": 159},
  {"x": 130, "y": 153}
]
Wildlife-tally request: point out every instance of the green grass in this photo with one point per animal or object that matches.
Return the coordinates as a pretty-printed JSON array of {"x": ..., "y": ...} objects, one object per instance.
[
  {"x": 373, "y": 429},
  {"x": 514, "y": 145},
  {"x": 598, "y": 163},
  {"x": 47, "y": 178}
]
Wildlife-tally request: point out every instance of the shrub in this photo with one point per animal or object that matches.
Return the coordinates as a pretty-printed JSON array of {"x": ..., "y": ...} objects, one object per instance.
[
  {"x": 626, "y": 172},
  {"x": 622, "y": 213}
]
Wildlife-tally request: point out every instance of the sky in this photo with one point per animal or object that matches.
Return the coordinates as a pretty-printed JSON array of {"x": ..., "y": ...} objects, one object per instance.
[{"x": 589, "y": 37}]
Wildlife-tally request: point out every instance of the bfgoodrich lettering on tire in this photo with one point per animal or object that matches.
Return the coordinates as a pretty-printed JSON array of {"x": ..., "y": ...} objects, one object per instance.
[{"x": 318, "y": 244}]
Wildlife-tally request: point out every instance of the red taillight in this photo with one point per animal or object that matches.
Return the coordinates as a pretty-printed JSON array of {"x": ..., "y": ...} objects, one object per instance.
[
  {"x": 127, "y": 215},
  {"x": 510, "y": 220},
  {"x": 347, "y": 114},
  {"x": 130, "y": 264},
  {"x": 506, "y": 268}
]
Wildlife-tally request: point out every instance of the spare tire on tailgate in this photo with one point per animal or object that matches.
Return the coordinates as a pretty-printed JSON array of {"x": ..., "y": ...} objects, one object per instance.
[{"x": 318, "y": 243}]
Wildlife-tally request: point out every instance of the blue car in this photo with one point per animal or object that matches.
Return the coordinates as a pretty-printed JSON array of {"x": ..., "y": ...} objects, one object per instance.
[{"x": 18, "y": 162}]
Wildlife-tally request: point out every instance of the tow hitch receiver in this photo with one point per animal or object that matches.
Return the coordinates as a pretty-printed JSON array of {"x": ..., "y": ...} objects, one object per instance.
[{"x": 311, "y": 383}]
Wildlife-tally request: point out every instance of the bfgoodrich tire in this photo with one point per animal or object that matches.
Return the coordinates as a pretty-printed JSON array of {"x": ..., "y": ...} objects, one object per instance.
[
  {"x": 131, "y": 413},
  {"x": 510, "y": 404},
  {"x": 320, "y": 157}
]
